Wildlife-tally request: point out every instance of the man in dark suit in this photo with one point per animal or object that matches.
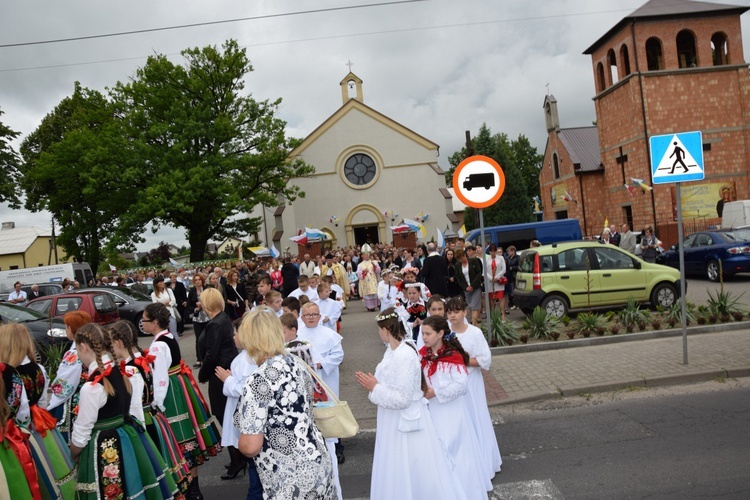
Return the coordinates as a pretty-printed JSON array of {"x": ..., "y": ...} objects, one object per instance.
[
  {"x": 35, "y": 293},
  {"x": 434, "y": 271}
]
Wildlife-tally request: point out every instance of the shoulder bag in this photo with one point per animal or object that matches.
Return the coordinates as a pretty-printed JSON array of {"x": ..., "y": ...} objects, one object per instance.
[{"x": 334, "y": 418}]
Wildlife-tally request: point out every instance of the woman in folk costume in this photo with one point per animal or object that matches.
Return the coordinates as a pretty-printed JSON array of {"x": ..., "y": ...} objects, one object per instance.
[
  {"x": 71, "y": 375},
  {"x": 49, "y": 450},
  {"x": 368, "y": 272},
  {"x": 409, "y": 462},
  {"x": 494, "y": 272},
  {"x": 444, "y": 367},
  {"x": 137, "y": 367},
  {"x": 473, "y": 341},
  {"x": 177, "y": 394},
  {"x": 116, "y": 457},
  {"x": 17, "y": 472}
]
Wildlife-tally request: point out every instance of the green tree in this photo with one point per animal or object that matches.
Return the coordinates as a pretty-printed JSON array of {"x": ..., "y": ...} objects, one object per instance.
[
  {"x": 515, "y": 204},
  {"x": 71, "y": 168},
  {"x": 8, "y": 166},
  {"x": 203, "y": 153},
  {"x": 529, "y": 163}
]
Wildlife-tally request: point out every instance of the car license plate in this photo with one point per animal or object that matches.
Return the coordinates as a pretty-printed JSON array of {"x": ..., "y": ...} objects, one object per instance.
[{"x": 521, "y": 285}]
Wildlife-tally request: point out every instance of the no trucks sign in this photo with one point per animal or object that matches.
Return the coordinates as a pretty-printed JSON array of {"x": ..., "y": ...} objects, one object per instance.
[{"x": 479, "y": 181}]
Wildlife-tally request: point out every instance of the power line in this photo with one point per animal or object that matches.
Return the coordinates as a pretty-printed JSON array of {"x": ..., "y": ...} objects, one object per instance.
[{"x": 208, "y": 23}]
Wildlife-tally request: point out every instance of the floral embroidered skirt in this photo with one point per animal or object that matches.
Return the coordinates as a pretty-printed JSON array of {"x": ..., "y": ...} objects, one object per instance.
[
  {"x": 121, "y": 461},
  {"x": 188, "y": 415},
  {"x": 161, "y": 433}
]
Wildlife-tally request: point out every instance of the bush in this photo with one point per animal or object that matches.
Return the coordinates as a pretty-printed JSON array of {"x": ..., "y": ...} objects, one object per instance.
[
  {"x": 589, "y": 323},
  {"x": 503, "y": 333},
  {"x": 540, "y": 325},
  {"x": 632, "y": 315}
]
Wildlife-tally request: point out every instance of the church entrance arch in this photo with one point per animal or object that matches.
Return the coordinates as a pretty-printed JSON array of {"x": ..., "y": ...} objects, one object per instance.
[{"x": 365, "y": 224}]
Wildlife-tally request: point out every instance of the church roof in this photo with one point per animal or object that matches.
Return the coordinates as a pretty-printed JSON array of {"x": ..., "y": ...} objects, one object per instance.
[
  {"x": 582, "y": 145},
  {"x": 669, "y": 9},
  {"x": 354, "y": 104},
  {"x": 19, "y": 239}
]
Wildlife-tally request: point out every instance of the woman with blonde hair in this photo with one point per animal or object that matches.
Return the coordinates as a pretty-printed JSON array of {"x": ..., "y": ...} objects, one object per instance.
[
  {"x": 51, "y": 456},
  {"x": 289, "y": 451}
]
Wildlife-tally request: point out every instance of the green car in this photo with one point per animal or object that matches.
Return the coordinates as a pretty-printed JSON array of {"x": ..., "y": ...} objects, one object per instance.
[{"x": 579, "y": 275}]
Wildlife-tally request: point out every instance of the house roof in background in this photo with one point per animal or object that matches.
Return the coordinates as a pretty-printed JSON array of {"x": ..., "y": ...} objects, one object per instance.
[
  {"x": 582, "y": 144},
  {"x": 19, "y": 239}
]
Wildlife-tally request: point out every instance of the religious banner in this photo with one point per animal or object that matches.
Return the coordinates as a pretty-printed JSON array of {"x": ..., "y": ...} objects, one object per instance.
[
  {"x": 559, "y": 195},
  {"x": 705, "y": 201}
]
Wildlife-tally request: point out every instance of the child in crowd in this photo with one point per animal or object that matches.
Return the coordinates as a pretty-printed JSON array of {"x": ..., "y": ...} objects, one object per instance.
[
  {"x": 106, "y": 440},
  {"x": 304, "y": 289},
  {"x": 273, "y": 300},
  {"x": 337, "y": 293},
  {"x": 410, "y": 275},
  {"x": 444, "y": 366},
  {"x": 387, "y": 291},
  {"x": 50, "y": 453},
  {"x": 176, "y": 393},
  {"x": 435, "y": 307},
  {"x": 137, "y": 367},
  {"x": 413, "y": 310},
  {"x": 234, "y": 380},
  {"x": 71, "y": 375},
  {"x": 330, "y": 310},
  {"x": 475, "y": 345},
  {"x": 407, "y": 448},
  {"x": 263, "y": 287}
]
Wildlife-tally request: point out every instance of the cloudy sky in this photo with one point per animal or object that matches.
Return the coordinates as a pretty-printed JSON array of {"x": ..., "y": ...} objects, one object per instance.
[{"x": 439, "y": 67}]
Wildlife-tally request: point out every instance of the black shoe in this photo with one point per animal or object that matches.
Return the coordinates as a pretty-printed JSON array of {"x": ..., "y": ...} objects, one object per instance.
[{"x": 234, "y": 471}]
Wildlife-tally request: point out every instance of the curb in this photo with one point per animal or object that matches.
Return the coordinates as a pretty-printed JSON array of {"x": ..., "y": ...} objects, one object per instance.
[
  {"x": 660, "y": 381},
  {"x": 616, "y": 339}
]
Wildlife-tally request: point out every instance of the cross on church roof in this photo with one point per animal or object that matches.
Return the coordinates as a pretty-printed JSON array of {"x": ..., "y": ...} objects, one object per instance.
[{"x": 350, "y": 64}]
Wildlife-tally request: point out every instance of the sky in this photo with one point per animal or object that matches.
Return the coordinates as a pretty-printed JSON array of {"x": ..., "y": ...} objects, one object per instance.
[{"x": 439, "y": 67}]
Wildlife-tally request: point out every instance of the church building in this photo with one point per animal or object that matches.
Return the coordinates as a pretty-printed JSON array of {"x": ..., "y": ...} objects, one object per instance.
[
  {"x": 370, "y": 173},
  {"x": 671, "y": 66}
]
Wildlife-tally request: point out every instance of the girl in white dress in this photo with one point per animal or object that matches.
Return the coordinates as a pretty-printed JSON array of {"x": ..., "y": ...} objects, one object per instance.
[
  {"x": 480, "y": 357},
  {"x": 444, "y": 367},
  {"x": 409, "y": 462}
]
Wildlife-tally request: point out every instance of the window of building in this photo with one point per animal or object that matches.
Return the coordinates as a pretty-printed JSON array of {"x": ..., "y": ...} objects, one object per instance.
[
  {"x": 555, "y": 166},
  {"x": 625, "y": 60},
  {"x": 600, "y": 83},
  {"x": 654, "y": 57},
  {"x": 627, "y": 213},
  {"x": 360, "y": 169},
  {"x": 612, "y": 63},
  {"x": 687, "y": 56},
  {"x": 562, "y": 214},
  {"x": 719, "y": 49}
]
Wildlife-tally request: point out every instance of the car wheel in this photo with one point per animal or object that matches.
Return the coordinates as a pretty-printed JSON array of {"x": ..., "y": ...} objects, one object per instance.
[
  {"x": 663, "y": 295},
  {"x": 712, "y": 270},
  {"x": 555, "y": 305},
  {"x": 139, "y": 324}
]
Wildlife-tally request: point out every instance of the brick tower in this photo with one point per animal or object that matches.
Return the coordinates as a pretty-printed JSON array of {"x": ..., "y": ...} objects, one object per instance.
[{"x": 670, "y": 66}]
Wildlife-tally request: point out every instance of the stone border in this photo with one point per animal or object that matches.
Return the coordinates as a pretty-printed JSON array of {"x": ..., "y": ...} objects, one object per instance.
[{"x": 616, "y": 339}]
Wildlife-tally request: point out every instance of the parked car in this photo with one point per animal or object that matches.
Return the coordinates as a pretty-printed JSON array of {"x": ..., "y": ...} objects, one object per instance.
[
  {"x": 577, "y": 275},
  {"x": 46, "y": 332},
  {"x": 129, "y": 303},
  {"x": 100, "y": 305},
  {"x": 704, "y": 251},
  {"x": 45, "y": 288}
]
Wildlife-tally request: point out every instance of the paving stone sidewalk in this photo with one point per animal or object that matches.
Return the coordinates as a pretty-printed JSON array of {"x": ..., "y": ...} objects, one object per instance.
[{"x": 545, "y": 374}]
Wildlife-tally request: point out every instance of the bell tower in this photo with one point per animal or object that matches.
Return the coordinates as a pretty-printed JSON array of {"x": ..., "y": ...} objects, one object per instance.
[
  {"x": 351, "y": 88},
  {"x": 550, "y": 113}
]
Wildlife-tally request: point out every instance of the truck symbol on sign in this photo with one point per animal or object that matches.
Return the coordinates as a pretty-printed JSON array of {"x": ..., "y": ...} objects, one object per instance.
[{"x": 479, "y": 180}]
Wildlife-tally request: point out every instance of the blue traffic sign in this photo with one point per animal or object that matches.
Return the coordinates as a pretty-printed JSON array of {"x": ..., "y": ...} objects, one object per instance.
[{"x": 677, "y": 157}]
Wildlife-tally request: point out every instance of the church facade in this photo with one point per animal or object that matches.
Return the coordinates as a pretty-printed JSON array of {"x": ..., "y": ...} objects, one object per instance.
[
  {"x": 671, "y": 66},
  {"x": 370, "y": 173}
]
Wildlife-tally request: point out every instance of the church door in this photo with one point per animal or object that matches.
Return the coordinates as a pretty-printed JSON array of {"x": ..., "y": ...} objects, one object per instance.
[{"x": 366, "y": 234}]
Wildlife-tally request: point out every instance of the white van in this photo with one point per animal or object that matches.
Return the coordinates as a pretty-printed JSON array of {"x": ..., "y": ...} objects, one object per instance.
[
  {"x": 79, "y": 271},
  {"x": 736, "y": 214}
]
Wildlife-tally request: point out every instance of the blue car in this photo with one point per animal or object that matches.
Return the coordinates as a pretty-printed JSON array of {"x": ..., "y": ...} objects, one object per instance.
[{"x": 704, "y": 251}]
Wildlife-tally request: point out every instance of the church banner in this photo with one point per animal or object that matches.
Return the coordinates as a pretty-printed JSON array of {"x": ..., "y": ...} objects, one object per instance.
[{"x": 706, "y": 201}]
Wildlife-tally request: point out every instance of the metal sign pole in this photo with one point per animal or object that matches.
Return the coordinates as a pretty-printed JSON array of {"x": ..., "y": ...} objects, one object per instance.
[
  {"x": 486, "y": 287},
  {"x": 682, "y": 275}
]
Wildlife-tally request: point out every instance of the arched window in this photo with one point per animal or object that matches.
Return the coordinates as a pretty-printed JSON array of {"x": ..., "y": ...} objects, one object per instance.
[
  {"x": 625, "y": 60},
  {"x": 555, "y": 166},
  {"x": 654, "y": 56},
  {"x": 600, "y": 83},
  {"x": 612, "y": 63},
  {"x": 719, "y": 49},
  {"x": 687, "y": 57}
]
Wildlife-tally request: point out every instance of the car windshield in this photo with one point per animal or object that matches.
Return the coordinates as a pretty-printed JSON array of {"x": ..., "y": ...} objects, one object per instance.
[
  {"x": 19, "y": 314},
  {"x": 737, "y": 235}
]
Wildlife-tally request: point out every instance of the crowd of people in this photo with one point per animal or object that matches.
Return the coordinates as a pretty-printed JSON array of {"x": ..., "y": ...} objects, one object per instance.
[{"x": 647, "y": 248}]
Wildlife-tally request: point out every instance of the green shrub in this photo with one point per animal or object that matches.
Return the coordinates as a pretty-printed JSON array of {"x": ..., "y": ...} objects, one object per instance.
[
  {"x": 589, "y": 322},
  {"x": 503, "y": 333},
  {"x": 540, "y": 325}
]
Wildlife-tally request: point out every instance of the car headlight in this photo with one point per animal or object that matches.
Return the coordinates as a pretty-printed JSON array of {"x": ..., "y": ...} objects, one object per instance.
[{"x": 57, "y": 333}]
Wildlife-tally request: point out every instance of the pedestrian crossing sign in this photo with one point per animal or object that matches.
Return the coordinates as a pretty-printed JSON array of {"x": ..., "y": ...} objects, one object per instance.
[{"x": 677, "y": 157}]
